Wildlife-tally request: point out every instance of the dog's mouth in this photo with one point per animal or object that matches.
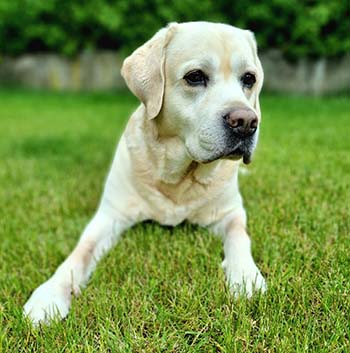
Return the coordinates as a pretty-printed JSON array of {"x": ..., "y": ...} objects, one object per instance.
[
  {"x": 241, "y": 149},
  {"x": 239, "y": 153},
  {"x": 233, "y": 150},
  {"x": 236, "y": 154}
]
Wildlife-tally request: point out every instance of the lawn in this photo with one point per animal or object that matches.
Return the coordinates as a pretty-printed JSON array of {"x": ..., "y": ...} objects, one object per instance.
[{"x": 162, "y": 289}]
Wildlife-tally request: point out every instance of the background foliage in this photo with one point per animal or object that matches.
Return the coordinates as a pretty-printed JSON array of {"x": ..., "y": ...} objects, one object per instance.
[{"x": 300, "y": 28}]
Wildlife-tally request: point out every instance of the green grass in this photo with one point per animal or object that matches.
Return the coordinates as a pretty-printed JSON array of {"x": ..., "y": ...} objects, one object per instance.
[{"x": 162, "y": 289}]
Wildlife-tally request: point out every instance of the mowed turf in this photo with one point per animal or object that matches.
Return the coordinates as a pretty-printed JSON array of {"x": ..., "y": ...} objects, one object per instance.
[{"x": 162, "y": 289}]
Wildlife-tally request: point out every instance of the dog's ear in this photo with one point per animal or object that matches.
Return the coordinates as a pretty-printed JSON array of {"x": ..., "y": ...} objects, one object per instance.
[
  {"x": 252, "y": 42},
  {"x": 143, "y": 71}
]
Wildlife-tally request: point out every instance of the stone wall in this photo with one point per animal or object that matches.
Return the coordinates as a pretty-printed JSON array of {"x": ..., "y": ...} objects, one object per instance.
[
  {"x": 88, "y": 71},
  {"x": 101, "y": 70},
  {"x": 317, "y": 77}
]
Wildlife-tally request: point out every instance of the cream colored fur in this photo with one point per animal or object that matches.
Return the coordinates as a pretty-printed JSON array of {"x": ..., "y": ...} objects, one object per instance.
[{"x": 161, "y": 169}]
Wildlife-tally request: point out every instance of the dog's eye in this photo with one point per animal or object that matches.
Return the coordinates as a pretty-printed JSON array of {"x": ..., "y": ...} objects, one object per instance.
[
  {"x": 248, "y": 80},
  {"x": 196, "y": 78}
]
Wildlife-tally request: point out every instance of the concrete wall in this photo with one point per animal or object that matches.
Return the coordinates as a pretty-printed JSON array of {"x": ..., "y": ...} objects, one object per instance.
[
  {"x": 315, "y": 77},
  {"x": 101, "y": 70},
  {"x": 88, "y": 71}
]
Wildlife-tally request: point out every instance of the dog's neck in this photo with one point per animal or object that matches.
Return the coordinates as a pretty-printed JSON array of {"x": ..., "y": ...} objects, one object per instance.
[
  {"x": 170, "y": 162},
  {"x": 176, "y": 164}
]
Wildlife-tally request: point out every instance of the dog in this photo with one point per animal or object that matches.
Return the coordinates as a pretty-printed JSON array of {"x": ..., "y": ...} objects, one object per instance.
[{"x": 178, "y": 158}]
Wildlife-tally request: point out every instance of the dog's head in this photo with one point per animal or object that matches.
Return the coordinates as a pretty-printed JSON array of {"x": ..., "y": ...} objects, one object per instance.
[{"x": 202, "y": 81}]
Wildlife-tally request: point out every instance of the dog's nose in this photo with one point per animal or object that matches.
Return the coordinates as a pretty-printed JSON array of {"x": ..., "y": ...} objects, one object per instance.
[{"x": 243, "y": 122}]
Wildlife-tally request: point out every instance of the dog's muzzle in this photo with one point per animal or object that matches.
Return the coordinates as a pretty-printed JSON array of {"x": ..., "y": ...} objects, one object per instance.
[{"x": 241, "y": 126}]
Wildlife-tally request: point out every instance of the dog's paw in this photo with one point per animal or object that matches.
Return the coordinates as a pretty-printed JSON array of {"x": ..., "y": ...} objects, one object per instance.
[
  {"x": 49, "y": 301},
  {"x": 244, "y": 280}
]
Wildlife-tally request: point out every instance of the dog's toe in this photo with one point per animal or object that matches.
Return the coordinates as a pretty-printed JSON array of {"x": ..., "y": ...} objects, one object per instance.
[
  {"x": 47, "y": 303},
  {"x": 244, "y": 281}
]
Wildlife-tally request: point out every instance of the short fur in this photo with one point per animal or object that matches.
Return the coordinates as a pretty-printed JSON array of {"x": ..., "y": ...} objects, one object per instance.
[{"x": 176, "y": 160}]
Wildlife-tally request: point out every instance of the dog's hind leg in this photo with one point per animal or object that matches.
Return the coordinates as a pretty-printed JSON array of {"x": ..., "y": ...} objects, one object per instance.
[{"x": 53, "y": 298}]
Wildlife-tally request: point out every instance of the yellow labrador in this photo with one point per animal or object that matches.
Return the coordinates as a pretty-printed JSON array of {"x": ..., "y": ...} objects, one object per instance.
[{"x": 178, "y": 158}]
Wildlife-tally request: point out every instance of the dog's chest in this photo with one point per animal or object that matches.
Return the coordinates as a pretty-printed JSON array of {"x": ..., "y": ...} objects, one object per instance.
[
  {"x": 171, "y": 204},
  {"x": 188, "y": 193},
  {"x": 181, "y": 205}
]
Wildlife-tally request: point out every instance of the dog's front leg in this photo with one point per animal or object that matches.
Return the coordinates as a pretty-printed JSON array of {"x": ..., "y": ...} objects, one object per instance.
[
  {"x": 53, "y": 298},
  {"x": 242, "y": 274}
]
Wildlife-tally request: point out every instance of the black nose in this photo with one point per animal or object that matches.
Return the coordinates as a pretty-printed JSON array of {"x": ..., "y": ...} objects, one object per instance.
[{"x": 243, "y": 122}]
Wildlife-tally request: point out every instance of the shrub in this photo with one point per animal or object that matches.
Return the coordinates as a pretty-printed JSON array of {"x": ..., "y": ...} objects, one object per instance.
[{"x": 298, "y": 28}]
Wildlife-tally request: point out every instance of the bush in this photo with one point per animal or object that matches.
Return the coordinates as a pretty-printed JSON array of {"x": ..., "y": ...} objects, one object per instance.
[
  {"x": 298, "y": 28},
  {"x": 318, "y": 28},
  {"x": 64, "y": 26}
]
